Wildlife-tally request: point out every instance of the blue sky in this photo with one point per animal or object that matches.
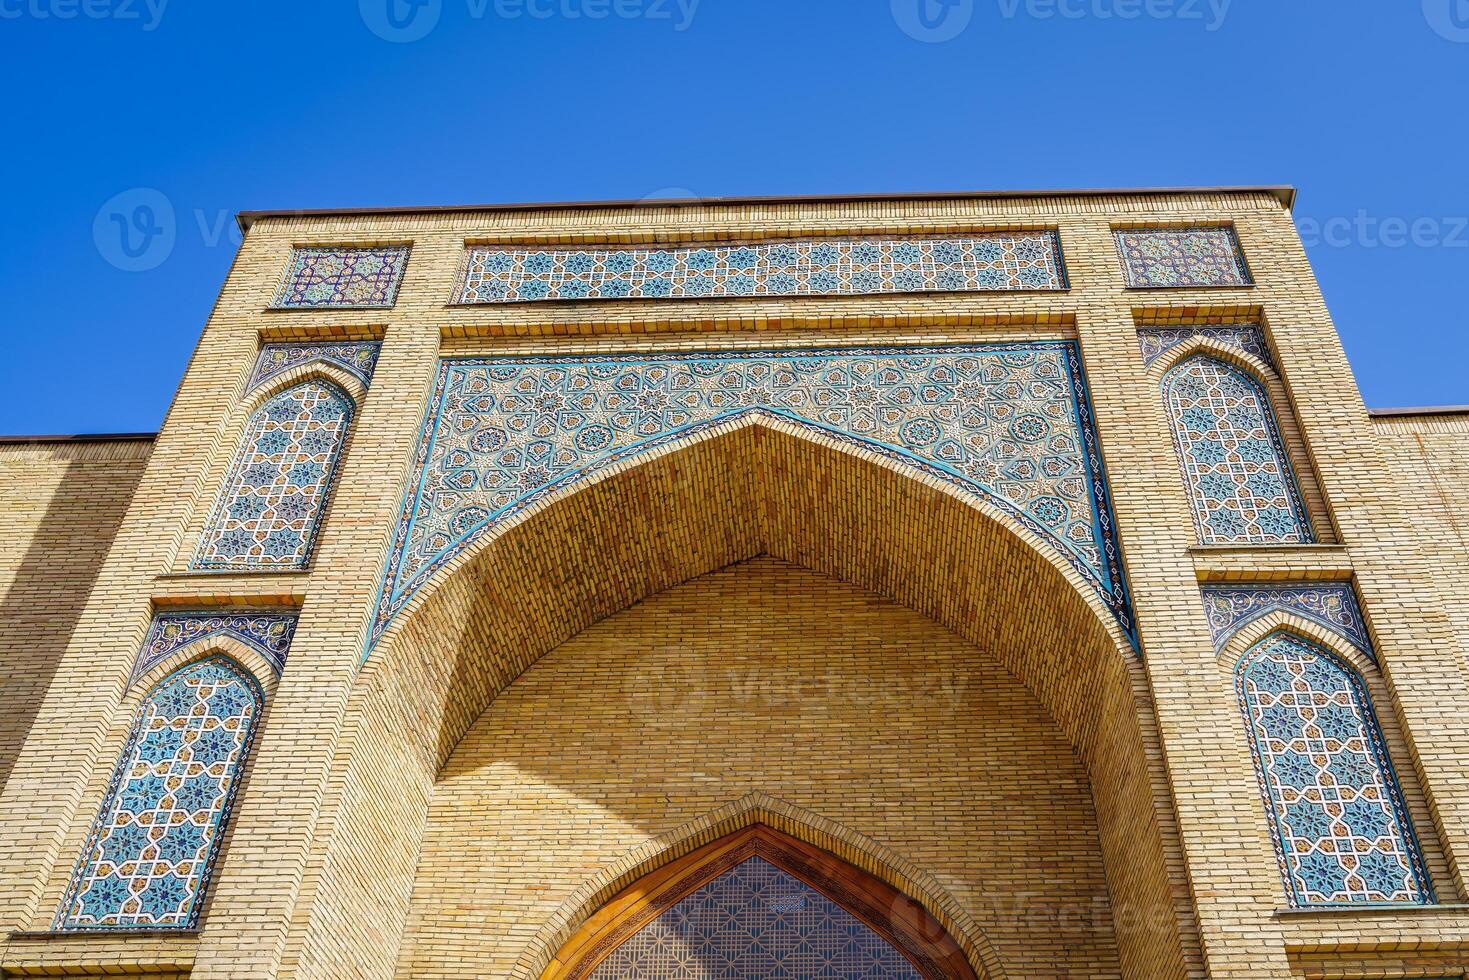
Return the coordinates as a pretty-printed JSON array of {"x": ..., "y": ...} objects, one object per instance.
[{"x": 1360, "y": 103}]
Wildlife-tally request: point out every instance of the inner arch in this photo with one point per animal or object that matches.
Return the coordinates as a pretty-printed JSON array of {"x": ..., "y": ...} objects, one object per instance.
[{"x": 760, "y": 903}]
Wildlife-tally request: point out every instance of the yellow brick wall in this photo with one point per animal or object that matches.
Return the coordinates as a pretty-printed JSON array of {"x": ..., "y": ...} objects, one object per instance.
[
  {"x": 1428, "y": 455},
  {"x": 869, "y": 715},
  {"x": 60, "y": 505},
  {"x": 347, "y": 797}
]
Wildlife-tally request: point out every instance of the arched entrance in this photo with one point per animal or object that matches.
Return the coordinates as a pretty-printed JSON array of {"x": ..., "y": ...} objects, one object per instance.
[
  {"x": 740, "y": 492},
  {"x": 760, "y": 903}
]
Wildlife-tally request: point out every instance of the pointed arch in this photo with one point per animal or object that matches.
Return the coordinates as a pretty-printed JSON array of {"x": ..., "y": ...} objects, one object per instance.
[
  {"x": 1341, "y": 828},
  {"x": 716, "y": 903},
  {"x": 924, "y": 901},
  {"x": 747, "y": 490},
  {"x": 148, "y": 858},
  {"x": 269, "y": 510},
  {"x": 1235, "y": 466}
]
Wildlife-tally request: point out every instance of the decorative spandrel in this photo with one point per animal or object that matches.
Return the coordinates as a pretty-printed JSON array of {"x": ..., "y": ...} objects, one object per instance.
[{"x": 1008, "y": 423}]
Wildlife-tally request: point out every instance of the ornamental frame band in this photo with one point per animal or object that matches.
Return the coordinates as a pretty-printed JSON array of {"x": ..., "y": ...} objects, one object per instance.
[{"x": 1013, "y": 261}]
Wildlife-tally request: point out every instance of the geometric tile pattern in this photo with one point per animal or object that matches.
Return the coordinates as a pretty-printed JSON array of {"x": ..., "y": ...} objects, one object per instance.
[
  {"x": 267, "y": 514},
  {"x": 268, "y": 634},
  {"x": 1009, "y": 422},
  {"x": 1330, "y": 604},
  {"x": 1247, "y": 337},
  {"x": 1164, "y": 258},
  {"x": 147, "y": 861},
  {"x": 755, "y": 920},
  {"x": 356, "y": 357},
  {"x": 344, "y": 278},
  {"x": 821, "y": 267},
  {"x": 1234, "y": 464},
  {"x": 1342, "y": 833}
]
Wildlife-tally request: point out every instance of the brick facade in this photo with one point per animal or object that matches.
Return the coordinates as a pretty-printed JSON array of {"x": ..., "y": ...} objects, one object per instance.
[{"x": 763, "y": 622}]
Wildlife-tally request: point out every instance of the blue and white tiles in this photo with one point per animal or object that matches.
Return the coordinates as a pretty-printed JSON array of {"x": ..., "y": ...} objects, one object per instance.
[
  {"x": 1342, "y": 831},
  {"x": 1009, "y": 423},
  {"x": 817, "y": 267}
]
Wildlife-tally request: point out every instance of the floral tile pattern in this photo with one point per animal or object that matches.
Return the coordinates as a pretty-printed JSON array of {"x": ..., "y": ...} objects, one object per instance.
[
  {"x": 1248, "y": 337},
  {"x": 267, "y": 633},
  {"x": 147, "y": 861},
  {"x": 1175, "y": 258},
  {"x": 342, "y": 278},
  {"x": 357, "y": 357},
  {"x": 755, "y": 920},
  {"x": 1234, "y": 464},
  {"x": 1009, "y": 423},
  {"x": 1342, "y": 833},
  {"x": 267, "y": 514},
  {"x": 822, "y": 267},
  {"x": 1331, "y": 604}
]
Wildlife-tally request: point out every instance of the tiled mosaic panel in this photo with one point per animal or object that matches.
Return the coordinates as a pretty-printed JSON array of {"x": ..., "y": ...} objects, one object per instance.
[
  {"x": 755, "y": 920},
  {"x": 1333, "y": 605},
  {"x": 342, "y": 277},
  {"x": 1341, "y": 831},
  {"x": 1007, "y": 422},
  {"x": 266, "y": 516},
  {"x": 148, "y": 858},
  {"x": 1248, "y": 337},
  {"x": 269, "y": 634},
  {"x": 1234, "y": 464},
  {"x": 1009, "y": 261},
  {"x": 357, "y": 358},
  {"x": 1182, "y": 257}
]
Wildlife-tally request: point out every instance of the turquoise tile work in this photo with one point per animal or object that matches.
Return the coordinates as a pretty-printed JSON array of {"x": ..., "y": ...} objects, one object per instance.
[
  {"x": 270, "y": 507},
  {"x": 1008, "y": 423},
  {"x": 149, "y": 856},
  {"x": 1342, "y": 833},
  {"x": 1233, "y": 461},
  {"x": 817, "y": 267}
]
